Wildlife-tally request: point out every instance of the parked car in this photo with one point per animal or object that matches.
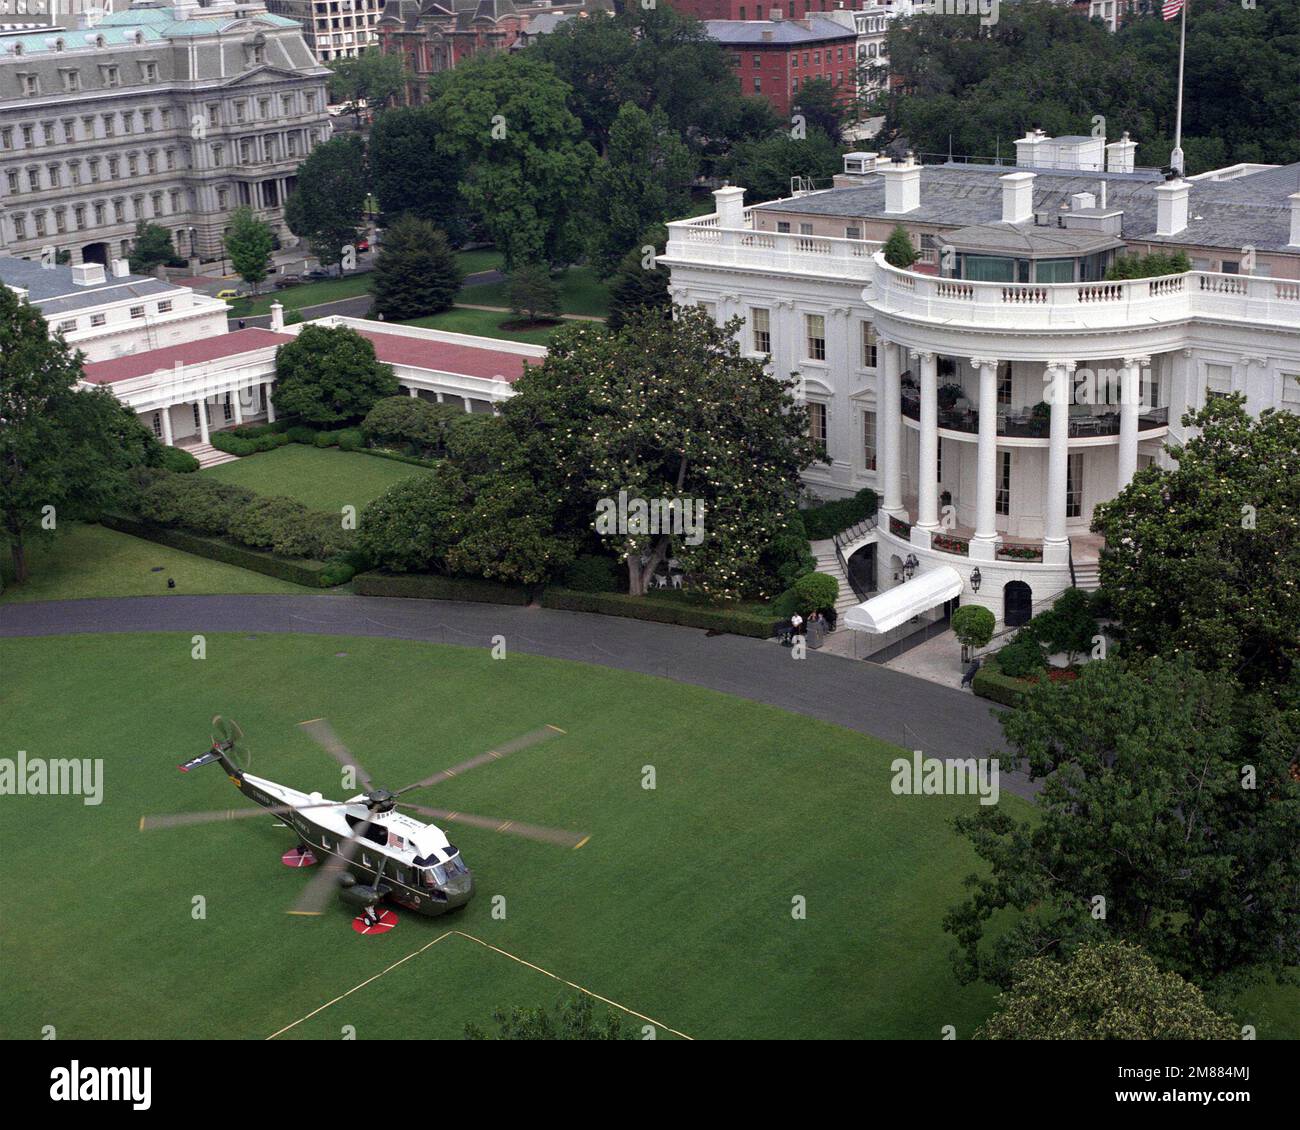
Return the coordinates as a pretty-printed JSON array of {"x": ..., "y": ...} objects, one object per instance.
[
  {"x": 229, "y": 294},
  {"x": 287, "y": 281},
  {"x": 318, "y": 273},
  {"x": 363, "y": 244}
]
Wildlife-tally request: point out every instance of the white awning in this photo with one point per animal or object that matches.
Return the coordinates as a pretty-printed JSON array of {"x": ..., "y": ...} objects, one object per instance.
[{"x": 898, "y": 605}]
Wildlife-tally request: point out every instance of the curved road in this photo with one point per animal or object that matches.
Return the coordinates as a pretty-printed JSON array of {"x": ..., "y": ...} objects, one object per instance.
[{"x": 874, "y": 700}]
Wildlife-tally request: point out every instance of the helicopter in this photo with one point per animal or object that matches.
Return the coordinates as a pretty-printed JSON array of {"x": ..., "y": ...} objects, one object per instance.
[{"x": 372, "y": 851}]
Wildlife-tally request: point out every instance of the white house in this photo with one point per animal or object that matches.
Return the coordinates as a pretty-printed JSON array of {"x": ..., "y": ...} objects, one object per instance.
[
  {"x": 999, "y": 390},
  {"x": 111, "y": 312}
]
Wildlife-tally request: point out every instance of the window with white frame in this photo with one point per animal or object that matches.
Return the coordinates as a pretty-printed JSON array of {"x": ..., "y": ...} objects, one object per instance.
[
  {"x": 68, "y": 325},
  {"x": 157, "y": 424},
  {"x": 1218, "y": 380},
  {"x": 97, "y": 319},
  {"x": 760, "y": 322},
  {"x": 815, "y": 334},
  {"x": 817, "y": 421},
  {"x": 869, "y": 440},
  {"x": 868, "y": 345},
  {"x": 1074, "y": 486},
  {"x": 1004, "y": 384},
  {"x": 227, "y": 408},
  {"x": 1002, "y": 501},
  {"x": 137, "y": 311},
  {"x": 1291, "y": 391}
]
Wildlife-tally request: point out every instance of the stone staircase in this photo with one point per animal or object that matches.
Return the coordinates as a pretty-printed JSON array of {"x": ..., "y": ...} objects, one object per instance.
[
  {"x": 209, "y": 456},
  {"x": 1087, "y": 575},
  {"x": 824, "y": 552}
]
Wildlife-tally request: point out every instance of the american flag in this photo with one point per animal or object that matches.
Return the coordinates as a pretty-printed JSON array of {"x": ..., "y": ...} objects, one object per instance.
[{"x": 1172, "y": 8}]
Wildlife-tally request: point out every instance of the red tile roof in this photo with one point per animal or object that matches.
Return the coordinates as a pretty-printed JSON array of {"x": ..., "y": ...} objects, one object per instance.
[
  {"x": 444, "y": 357},
  {"x": 188, "y": 353}
]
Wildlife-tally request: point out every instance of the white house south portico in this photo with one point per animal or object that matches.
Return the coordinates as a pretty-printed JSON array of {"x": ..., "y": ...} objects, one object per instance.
[{"x": 999, "y": 389}]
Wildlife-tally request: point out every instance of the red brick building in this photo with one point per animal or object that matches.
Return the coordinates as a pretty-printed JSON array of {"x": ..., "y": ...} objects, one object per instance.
[
  {"x": 760, "y": 9},
  {"x": 775, "y": 58}
]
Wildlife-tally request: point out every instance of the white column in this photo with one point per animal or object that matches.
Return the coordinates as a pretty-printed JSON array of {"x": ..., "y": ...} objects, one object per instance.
[
  {"x": 167, "y": 425},
  {"x": 1055, "y": 543},
  {"x": 468, "y": 406},
  {"x": 986, "y": 461},
  {"x": 203, "y": 420},
  {"x": 891, "y": 428},
  {"x": 439, "y": 396},
  {"x": 270, "y": 408},
  {"x": 239, "y": 411},
  {"x": 927, "y": 489},
  {"x": 1129, "y": 406},
  {"x": 410, "y": 391}
]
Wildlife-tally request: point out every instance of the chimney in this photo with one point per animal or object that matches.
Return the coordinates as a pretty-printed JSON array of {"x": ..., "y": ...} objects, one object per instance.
[
  {"x": 277, "y": 317},
  {"x": 1017, "y": 197},
  {"x": 87, "y": 274},
  {"x": 121, "y": 268},
  {"x": 1027, "y": 148},
  {"x": 729, "y": 203},
  {"x": 1171, "y": 206},
  {"x": 1295, "y": 219},
  {"x": 1119, "y": 154},
  {"x": 902, "y": 186}
]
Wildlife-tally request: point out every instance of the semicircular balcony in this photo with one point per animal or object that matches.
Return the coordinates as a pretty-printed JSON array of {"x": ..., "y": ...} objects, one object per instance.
[{"x": 1030, "y": 422}]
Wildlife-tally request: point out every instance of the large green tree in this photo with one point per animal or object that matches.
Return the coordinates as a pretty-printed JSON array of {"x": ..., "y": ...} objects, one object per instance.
[
  {"x": 329, "y": 375},
  {"x": 645, "y": 179},
  {"x": 152, "y": 247},
  {"x": 371, "y": 75},
  {"x": 1169, "y": 817},
  {"x": 1202, "y": 559},
  {"x": 412, "y": 170},
  {"x": 640, "y": 283},
  {"x": 326, "y": 206},
  {"x": 528, "y": 168},
  {"x": 416, "y": 272},
  {"x": 249, "y": 242},
  {"x": 64, "y": 452},
  {"x": 1103, "y": 991},
  {"x": 671, "y": 411},
  {"x": 766, "y": 166}
]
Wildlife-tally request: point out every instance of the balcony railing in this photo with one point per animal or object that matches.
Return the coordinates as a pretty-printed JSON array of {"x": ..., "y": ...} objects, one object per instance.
[
  {"x": 705, "y": 242},
  {"x": 1026, "y": 424},
  {"x": 1126, "y": 304}
]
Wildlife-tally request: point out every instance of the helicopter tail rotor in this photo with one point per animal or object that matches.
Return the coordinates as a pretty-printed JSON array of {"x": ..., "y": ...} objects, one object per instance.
[{"x": 229, "y": 738}]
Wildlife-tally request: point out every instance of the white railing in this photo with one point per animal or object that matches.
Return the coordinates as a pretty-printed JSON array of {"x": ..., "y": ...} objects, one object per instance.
[
  {"x": 1127, "y": 304},
  {"x": 704, "y": 241}
]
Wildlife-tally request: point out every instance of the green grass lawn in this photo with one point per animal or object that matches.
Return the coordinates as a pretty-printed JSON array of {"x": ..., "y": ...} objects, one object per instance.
[
  {"x": 678, "y": 908},
  {"x": 581, "y": 292},
  {"x": 321, "y": 478},
  {"x": 86, "y": 561},
  {"x": 484, "y": 323},
  {"x": 480, "y": 259},
  {"x": 308, "y": 294}
]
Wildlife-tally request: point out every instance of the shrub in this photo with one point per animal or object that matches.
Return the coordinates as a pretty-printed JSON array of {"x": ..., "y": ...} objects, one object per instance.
[
  {"x": 815, "y": 592},
  {"x": 336, "y": 573},
  {"x": 992, "y": 683},
  {"x": 426, "y": 586},
  {"x": 973, "y": 625},
  {"x": 300, "y": 433},
  {"x": 179, "y": 460},
  {"x": 898, "y": 249},
  {"x": 410, "y": 423},
  {"x": 1022, "y": 657},
  {"x": 351, "y": 439},
  {"x": 660, "y": 610},
  {"x": 1069, "y": 625},
  {"x": 203, "y": 505},
  {"x": 591, "y": 572},
  {"x": 266, "y": 521}
]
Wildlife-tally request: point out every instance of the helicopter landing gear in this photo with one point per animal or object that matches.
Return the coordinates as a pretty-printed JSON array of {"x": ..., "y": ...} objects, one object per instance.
[
  {"x": 300, "y": 856},
  {"x": 372, "y": 920}
]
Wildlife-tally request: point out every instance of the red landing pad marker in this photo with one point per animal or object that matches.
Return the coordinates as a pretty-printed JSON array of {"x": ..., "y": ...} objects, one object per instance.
[
  {"x": 295, "y": 858},
  {"x": 387, "y": 920}
]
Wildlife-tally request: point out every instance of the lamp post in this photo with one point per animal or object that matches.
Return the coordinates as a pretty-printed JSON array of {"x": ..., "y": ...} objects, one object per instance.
[
  {"x": 976, "y": 579},
  {"x": 910, "y": 566}
]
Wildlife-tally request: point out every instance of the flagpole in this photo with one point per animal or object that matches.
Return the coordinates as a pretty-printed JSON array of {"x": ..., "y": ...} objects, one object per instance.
[{"x": 1176, "y": 157}]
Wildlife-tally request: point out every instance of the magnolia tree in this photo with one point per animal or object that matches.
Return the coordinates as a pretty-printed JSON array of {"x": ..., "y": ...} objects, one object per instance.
[{"x": 666, "y": 441}]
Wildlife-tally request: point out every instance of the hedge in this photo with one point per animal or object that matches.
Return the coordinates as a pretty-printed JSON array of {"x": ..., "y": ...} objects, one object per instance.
[
  {"x": 179, "y": 460},
  {"x": 311, "y": 574},
  {"x": 991, "y": 683},
  {"x": 427, "y": 586},
  {"x": 829, "y": 519},
  {"x": 660, "y": 611}
]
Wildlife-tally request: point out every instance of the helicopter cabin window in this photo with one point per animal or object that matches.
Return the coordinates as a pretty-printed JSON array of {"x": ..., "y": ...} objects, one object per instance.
[{"x": 376, "y": 833}]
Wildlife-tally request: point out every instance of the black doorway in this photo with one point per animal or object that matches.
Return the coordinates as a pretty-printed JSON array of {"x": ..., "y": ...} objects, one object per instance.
[{"x": 1017, "y": 604}]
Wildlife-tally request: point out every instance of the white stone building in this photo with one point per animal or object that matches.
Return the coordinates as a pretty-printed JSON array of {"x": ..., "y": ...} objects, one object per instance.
[
  {"x": 999, "y": 390},
  {"x": 110, "y": 312}
]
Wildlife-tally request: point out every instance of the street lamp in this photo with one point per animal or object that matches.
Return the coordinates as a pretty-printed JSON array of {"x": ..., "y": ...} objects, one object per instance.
[
  {"x": 910, "y": 566},
  {"x": 975, "y": 579}
]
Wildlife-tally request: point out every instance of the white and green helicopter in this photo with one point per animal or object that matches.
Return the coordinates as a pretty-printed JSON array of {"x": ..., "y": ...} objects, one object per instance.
[{"x": 372, "y": 851}]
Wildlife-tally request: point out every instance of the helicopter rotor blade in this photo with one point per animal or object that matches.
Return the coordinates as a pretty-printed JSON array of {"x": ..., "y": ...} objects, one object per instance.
[
  {"x": 189, "y": 819},
  {"x": 506, "y": 827},
  {"x": 325, "y": 882},
  {"x": 495, "y": 754},
  {"x": 331, "y": 743}
]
